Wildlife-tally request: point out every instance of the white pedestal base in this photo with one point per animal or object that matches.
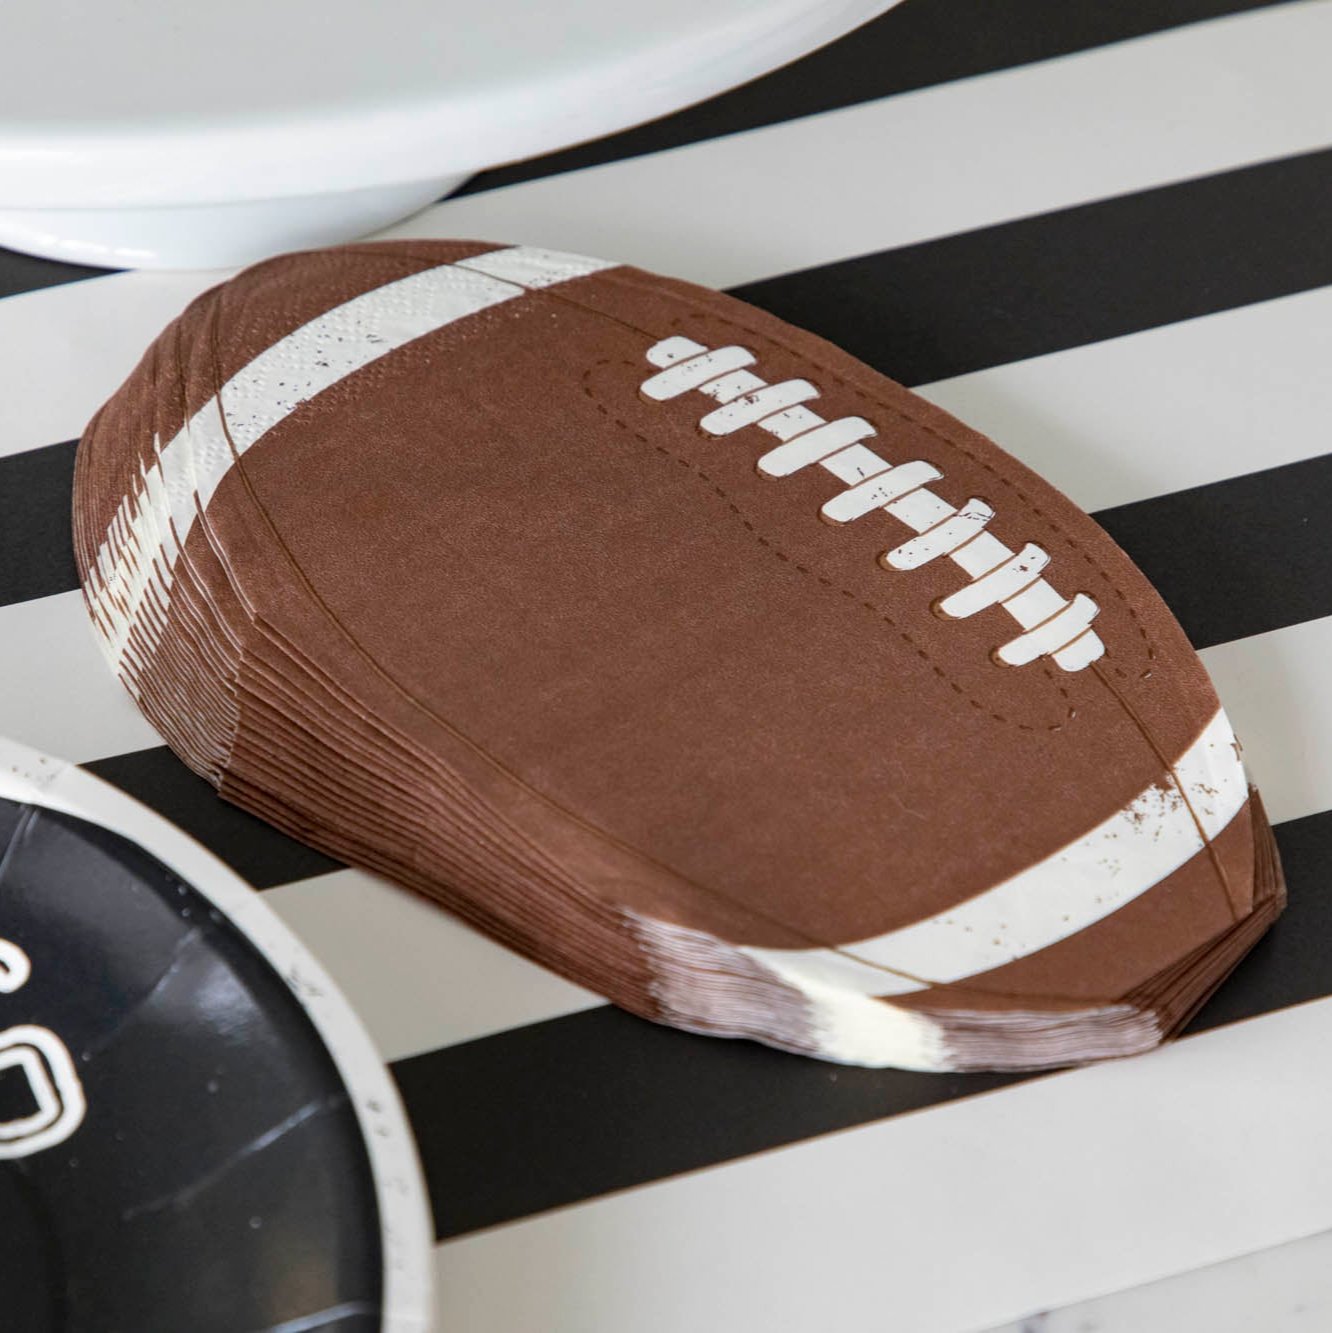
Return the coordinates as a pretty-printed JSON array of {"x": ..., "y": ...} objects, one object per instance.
[{"x": 213, "y": 235}]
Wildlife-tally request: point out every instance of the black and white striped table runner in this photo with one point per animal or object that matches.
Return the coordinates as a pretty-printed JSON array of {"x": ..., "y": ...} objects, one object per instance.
[{"x": 1100, "y": 234}]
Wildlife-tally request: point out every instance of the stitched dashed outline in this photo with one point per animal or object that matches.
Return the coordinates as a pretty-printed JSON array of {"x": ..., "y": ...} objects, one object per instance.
[
  {"x": 822, "y": 579},
  {"x": 1028, "y": 503}
]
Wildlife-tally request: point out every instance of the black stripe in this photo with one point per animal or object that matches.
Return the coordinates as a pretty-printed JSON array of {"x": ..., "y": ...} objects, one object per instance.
[
  {"x": 36, "y": 546},
  {"x": 574, "y": 1108},
  {"x": 916, "y": 45},
  {"x": 1239, "y": 557},
  {"x": 577, "y": 1107},
  {"x": 1292, "y": 963},
  {"x": 254, "y": 849},
  {"x": 966, "y": 302},
  {"x": 1044, "y": 284},
  {"x": 26, "y": 273}
]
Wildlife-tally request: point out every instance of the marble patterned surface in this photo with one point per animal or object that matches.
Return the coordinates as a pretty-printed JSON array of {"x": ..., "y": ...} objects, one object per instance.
[{"x": 1287, "y": 1289}]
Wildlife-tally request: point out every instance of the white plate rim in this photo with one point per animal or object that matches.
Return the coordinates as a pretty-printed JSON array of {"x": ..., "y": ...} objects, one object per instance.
[{"x": 32, "y": 778}]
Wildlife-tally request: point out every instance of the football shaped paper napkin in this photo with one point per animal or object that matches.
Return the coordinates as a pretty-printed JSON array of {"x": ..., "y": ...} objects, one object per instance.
[{"x": 678, "y": 650}]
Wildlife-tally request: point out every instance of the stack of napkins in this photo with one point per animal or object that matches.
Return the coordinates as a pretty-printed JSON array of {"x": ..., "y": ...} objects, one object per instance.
[{"x": 678, "y": 650}]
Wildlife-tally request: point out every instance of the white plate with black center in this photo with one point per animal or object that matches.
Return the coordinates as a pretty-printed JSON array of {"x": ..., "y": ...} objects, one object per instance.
[{"x": 195, "y": 1130}]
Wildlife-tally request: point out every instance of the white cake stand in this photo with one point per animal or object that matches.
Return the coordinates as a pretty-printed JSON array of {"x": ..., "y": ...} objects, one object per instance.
[{"x": 184, "y": 135}]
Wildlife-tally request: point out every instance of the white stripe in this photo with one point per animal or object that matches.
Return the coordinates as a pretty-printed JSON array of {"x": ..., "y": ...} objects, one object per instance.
[
  {"x": 1019, "y": 142},
  {"x": 67, "y": 349},
  {"x": 65, "y": 701},
  {"x": 449, "y": 983},
  {"x": 280, "y": 379},
  {"x": 984, "y": 1209},
  {"x": 57, "y": 694},
  {"x": 1196, "y": 384},
  {"x": 1120, "y": 118},
  {"x": 530, "y": 267},
  {"x": 1164, "y": 409},
  {"x": 1275, "y": 688},
  {"x": 1149, "y": 839}
]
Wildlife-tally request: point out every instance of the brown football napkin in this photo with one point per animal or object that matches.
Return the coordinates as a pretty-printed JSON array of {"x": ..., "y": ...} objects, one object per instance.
[{"x": 676, "y": 649}]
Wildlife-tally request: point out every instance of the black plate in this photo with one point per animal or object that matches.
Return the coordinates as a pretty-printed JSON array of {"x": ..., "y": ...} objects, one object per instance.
[{"x": 180, "y": 1149}]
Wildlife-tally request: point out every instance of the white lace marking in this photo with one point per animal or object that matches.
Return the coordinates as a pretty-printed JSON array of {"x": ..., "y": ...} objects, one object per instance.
[
  {"x": 812, "y": 445},
  {"x": 695, "y": 372},
  {"x": 796, "y": 421},
  {"x": 1053, "y": 626},
  {"x": 920, "y": 510},
  {"x": 891, "y": 483},
  {"x": 942, "y": 539},
  {"x": 1049, "y": 638},
  {"x": 1005, "y": 580},
  {"x": 670, "y": 350},
  {"x": 1083, "y": 651},
  {"x": 753, "y": 407},
  {"x": 731, "y": 386},
  {"x": 982, "y": 555},
  {"x": 1035, "y": 605},
  {"x": 854, "y": 464}
]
